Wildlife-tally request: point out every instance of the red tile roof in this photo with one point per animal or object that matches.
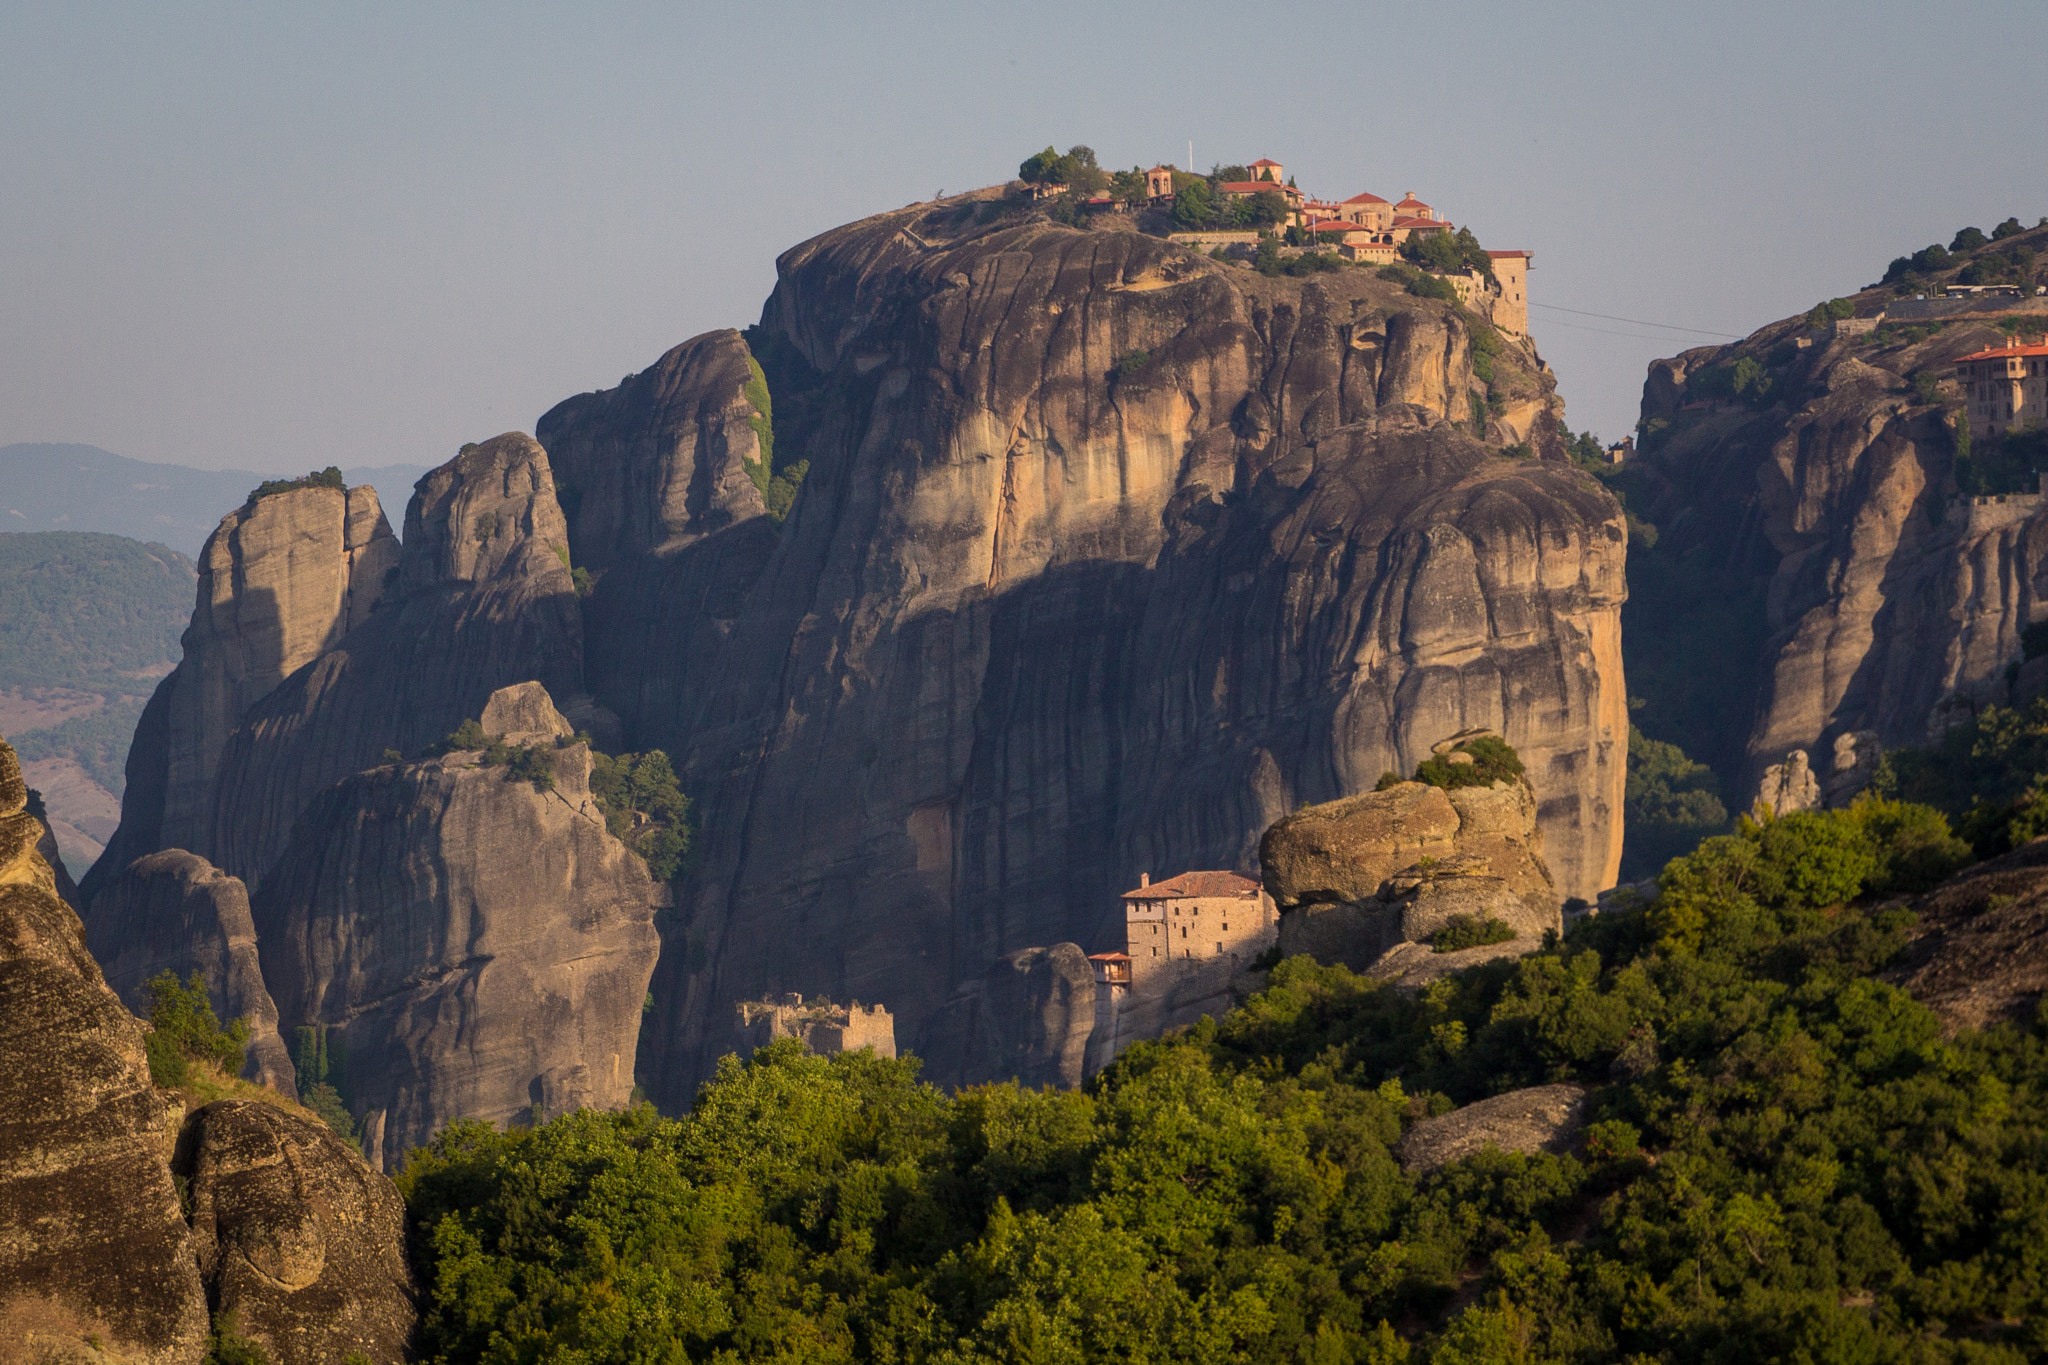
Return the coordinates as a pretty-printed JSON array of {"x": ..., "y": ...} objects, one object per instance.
[
  {"x": 1422, "y": 222},
  {"x": 1337, "y": 225},
  {"x": 1365, "y": 199},
  {"x": 1410, "y": 201},
  {"x": 1498, "y": 255},
  {"x": 1109, "y": 957},
  {"x": 2004, "y": 352},
  {"x": 1264, "y": 161},
  {"x": 1190, "y": 884}
]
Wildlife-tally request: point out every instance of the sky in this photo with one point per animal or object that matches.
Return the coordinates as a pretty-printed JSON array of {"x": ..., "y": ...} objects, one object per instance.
[{"x": 286, "y": 235}]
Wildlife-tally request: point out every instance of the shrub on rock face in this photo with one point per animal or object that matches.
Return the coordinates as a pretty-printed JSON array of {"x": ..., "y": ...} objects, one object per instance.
[{"x": 1469, "y": 931}]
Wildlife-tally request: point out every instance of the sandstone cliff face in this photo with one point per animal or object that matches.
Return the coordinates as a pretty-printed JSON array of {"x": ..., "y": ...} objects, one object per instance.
[
  {"x": 482, "y": 599},
  {"x": 296, "y": 1237},
  {"x": 1862, "y": 594},
  {"x": 1108, "y": 556},
  {"x": 281, "y": 580},
  {"x": 480, "y": 949},
  {"x": 271, "y": 706},
  {"x": 174, "y": 911},
  {"x": 1027, "y": 1019},
  {"x": 92, "y": 1242}
]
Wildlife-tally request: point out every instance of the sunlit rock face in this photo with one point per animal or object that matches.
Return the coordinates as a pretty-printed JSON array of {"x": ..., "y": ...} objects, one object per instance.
[{"x": 1108, "y": 556}]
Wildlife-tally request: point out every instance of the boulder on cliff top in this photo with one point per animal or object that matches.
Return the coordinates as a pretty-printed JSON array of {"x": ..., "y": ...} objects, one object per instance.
[
  {"x": 297, "y": 1237},
  {"x": 175, "y": 912},
  {"x": 1344, "y": 851},
  {"x": 1542, "y": 1118},
  {"x": 524, "y": 713},
  {"x": 93, "y": 1245}
]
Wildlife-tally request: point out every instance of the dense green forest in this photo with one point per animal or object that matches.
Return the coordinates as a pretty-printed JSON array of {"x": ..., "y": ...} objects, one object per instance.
[
  {"x": 90, "y": 613},
  {"x": 1787, "y": 1161}
]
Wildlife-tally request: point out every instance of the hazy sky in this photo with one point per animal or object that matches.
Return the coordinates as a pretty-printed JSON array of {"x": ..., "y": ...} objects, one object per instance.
[{"x": 287, "y": 235}]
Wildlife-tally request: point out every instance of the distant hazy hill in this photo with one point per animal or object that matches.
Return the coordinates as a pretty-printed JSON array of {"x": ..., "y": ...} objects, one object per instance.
[
  {"x": 84, "y": 488},
  {"x": 88, "y": 624}
]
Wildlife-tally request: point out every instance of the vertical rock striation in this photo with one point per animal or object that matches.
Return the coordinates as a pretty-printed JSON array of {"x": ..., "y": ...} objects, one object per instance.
[
  {"x": 281, "y": 580},
  {"x": 1108, "y": 556},
  {"x": 480, "y": 948},
  {"x": 95, "y": 1257},
  {"x": 1823, "y": 570},
  {"x": 296, "y": 1237},
  {"x": 319, "y": 643},
  {"x": 175, "y": 912}
]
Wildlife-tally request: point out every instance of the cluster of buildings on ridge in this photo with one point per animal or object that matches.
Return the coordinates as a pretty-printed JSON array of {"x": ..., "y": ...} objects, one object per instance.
[{"x": 1362, "y": 228}]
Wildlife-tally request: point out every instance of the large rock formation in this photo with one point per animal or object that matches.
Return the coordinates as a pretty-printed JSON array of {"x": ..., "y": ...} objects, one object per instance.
[
  {"x": 1370, "y": 880},
  {"x": 1979, "y": 949},
  {"x": 272, "y": 705},
  {"x": 1818, "y": 568},
  {"x": 296, "y": 1237},
  {"x": 96, "y": 1261},
  {"x": 1028, "y": 1018},
  {"x": 281, "y": 581},
  {"x": 175, "y": 912},
  {"x": 1108, "y": 555},
  {"x": 479, "y": 948}
]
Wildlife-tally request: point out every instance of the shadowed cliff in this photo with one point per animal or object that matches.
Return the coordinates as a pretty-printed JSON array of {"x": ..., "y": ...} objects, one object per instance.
[{"x": 1829, "y": 558}]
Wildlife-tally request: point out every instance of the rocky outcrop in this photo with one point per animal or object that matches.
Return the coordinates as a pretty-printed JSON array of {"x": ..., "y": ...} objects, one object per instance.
[
  {"x": 1108, "y": 556},
  {"x": 1818, "y": 569},
  {"x": 1028, "y": 1019},
  {"x": 46, "y": 849},
  {"x": 270, "y": 705},
  {"x": 96, "y": 1261},
  {"x": 479, "y": 948},
  {"x": 1542, "y": 1118},
  {"x": 281, "y": 580},
  {"x": 1979, "y": 948},
  {"x": 175, "y": 912},
  {"x": 296, "y": 1237},
  {"x": 1371, "y": 880}
]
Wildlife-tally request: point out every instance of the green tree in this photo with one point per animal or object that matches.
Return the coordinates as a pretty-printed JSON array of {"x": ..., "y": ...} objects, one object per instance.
[
  {"x": 1193, "y": 208},
  {"x": 184, "y": 1030},
  {"x": 1969, "y": 239}
]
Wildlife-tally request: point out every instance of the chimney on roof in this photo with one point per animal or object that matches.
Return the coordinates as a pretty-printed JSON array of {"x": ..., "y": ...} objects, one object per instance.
[{"x": 1144, "y": 879}]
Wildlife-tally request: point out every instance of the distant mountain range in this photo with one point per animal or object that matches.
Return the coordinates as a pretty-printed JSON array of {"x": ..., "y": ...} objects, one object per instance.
[{"x": 63, "y": 487}]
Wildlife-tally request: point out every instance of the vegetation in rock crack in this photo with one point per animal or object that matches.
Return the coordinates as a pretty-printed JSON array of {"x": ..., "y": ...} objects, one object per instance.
[
  {"x": 1490, "y": 759},
  {"x": 1786, "y": 1159},
  {"x": 329, "y": 477},
  {"x": 1420, "y": 283},
  {"x": 1469, "y": 931},
  {"x": 644, "y": 806},
  {"x": 322, "y": 1068},
  {"x": 778, "y": 477},
  {"x": 227, "y": 1346},
  {"x": 183, "y": 1030}
]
